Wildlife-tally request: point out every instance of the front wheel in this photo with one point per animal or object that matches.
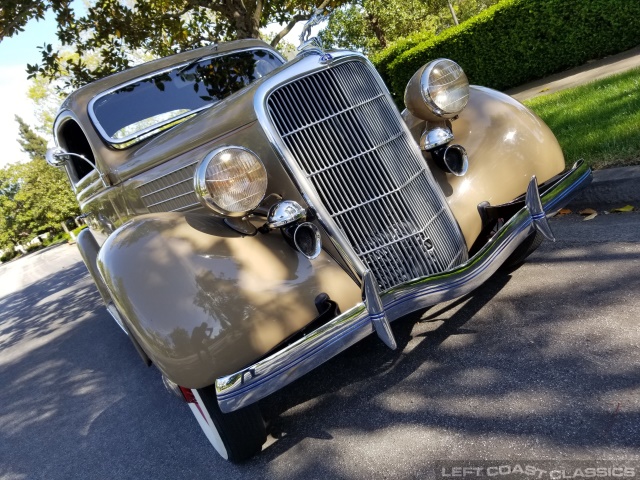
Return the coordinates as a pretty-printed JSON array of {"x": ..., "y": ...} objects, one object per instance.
[
  {"x": 526, "y": 248},
  {"x": 236, "y": 436}
]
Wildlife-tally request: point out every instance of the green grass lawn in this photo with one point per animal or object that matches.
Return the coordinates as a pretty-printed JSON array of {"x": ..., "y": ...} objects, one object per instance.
[{"x": 599, "y": 121}]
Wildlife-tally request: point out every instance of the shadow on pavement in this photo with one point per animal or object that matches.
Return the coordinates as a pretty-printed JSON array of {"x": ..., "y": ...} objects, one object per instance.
[
  {"x": 513, "y": 368},
  {"x": 496, "y": 365}
]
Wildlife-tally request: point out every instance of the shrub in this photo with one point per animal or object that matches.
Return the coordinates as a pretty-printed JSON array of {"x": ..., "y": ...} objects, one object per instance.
[
  {"x": 389, "y": 54},
  {"x": 516, "y": 41},
  {"x": 77, "y": 230},
  {"x": 7, "y": 255},
  {"x": 32, "y": 247}
]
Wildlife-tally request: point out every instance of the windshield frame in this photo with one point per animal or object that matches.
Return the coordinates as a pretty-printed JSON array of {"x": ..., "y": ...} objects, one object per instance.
[{"x": 142, "y": 134}]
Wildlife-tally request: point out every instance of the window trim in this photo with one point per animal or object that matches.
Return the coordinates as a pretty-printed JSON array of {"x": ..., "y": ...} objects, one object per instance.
[{"x": 140, "y": 135}]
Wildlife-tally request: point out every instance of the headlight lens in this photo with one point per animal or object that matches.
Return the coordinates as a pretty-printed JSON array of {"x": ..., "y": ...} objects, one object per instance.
[
  {"x": 231, "y": 181},
  {"x": 445, "y": 86},
  {"x": 438, "y": 90}
]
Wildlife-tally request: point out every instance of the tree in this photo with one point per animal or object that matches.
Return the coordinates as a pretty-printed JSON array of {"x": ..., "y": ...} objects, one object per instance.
[
  {"x": 112, "y": 29},
  {"x": 15, "y": 14},
  {"x": 34, "y": 197},
  {"x": 46, "y": 101},
  {"x": 370, "y": 25},
  {"x": 8, "y": 189},
  {"x": 32, "y": 144}
]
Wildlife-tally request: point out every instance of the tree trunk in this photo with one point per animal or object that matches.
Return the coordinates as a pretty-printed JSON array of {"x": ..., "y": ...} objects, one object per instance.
[
  {"x": 246, "y": 17},
  {"x": 453, "y": 12},
  {"x": 377, "y": 30}
]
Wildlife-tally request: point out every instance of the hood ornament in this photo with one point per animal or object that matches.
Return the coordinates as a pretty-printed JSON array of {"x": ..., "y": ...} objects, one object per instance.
[{"x": 309, "y": 44}]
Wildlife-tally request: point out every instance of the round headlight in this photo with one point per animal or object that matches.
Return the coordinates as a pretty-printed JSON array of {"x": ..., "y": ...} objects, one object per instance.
[
  {"x": 231, "y": 181},
  {"x": 438, "y": 90}
]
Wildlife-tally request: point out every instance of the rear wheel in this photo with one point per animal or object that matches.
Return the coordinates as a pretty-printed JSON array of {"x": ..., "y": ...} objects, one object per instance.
[{"x": 236, "y": 436}]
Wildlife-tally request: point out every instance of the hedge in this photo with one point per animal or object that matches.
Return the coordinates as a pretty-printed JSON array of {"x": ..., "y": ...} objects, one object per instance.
[{"x": 517, "y": 41}]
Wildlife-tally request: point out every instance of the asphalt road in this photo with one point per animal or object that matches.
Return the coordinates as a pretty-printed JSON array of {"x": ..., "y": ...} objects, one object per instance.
[{"x": 542, "y": 363}]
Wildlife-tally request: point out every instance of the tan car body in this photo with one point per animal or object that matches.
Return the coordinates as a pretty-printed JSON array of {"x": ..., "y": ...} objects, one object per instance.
[{"x": 202, "y": 300}]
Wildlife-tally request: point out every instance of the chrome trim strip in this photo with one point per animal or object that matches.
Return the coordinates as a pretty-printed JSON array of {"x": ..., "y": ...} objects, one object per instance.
[
  {"x": 183, "y": 185},
  {"x": 186, "y": 207},
  {"x": 281, "y": 368},
  {"x": 141, "y": 133},
  {"x": 169, "y": 199},
  {"x": 113, "y": 311},
  {"x": 167, "y": 187}
]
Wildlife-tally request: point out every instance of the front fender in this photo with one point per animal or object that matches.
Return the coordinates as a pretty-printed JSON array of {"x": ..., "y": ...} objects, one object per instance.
[
  {"x": 204, "y": 301},
  {"x": 507, "y": 143}
]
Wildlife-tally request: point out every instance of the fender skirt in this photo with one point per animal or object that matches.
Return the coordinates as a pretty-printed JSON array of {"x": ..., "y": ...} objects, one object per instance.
[{"x": 204, "y": 301}]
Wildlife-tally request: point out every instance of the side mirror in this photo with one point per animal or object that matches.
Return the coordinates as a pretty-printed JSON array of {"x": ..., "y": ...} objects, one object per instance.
[{"x": 56, "y": 157}]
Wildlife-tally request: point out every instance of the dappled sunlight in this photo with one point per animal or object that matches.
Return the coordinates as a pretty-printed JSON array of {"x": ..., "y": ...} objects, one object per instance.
[
  {"x": 39, "y": 354},
  {"x": 596, "y": 121},
  {"x": 518, "y": 369},
  {"x": 476, "y": 377},
  {"x": 532, "y": 401},
  {"x": 512, "y": 362},
  {"x": 215, "y": 301},
  {"x": 70, "y": 376},
  {"x": 36, "y": 311}
]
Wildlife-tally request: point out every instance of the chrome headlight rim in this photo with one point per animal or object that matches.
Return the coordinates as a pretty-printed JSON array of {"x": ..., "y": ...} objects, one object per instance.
[
  {"x": 202, "y": 191},
  {"x": 425, "y": 89}
]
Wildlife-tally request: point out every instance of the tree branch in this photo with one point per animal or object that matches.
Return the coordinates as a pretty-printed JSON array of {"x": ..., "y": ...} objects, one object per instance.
[
  {"x": 215, "y": 6},
  {"x": 288, "y": 27},
  {"x": 293, "y": 21},
  {"x": 177, "y": 15},
  {"x": 20, "y": 19}
]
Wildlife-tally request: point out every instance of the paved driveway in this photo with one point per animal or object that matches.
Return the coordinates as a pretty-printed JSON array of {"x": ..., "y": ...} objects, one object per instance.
[{"x": 539, "y": 364}]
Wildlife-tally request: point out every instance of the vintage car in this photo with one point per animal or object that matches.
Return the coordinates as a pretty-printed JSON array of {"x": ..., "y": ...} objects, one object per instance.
[{"x": 250, "y": 218}]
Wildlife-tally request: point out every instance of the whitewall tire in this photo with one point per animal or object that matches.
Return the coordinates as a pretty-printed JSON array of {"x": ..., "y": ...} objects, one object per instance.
[{"x": 236, "y": 436}]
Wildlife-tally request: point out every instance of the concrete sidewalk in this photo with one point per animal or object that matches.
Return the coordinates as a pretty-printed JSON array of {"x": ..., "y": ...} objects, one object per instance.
[{"x": 574, "y": 77}]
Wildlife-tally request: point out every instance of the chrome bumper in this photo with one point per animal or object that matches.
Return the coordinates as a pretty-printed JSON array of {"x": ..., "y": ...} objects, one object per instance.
[{"x": 284, "y": 366}]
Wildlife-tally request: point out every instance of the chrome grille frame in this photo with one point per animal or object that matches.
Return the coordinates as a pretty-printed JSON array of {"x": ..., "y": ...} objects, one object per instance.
[{"x": 326, "y": 210}]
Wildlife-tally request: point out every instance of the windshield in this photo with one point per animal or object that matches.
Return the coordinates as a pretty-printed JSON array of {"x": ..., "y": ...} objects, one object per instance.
[{"x": 140, "y": 108}]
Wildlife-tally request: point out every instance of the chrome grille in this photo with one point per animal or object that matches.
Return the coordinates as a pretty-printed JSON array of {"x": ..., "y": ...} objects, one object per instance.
[
  {"x": 343, "y": 133},
  {"x": 172, "y": 192}
]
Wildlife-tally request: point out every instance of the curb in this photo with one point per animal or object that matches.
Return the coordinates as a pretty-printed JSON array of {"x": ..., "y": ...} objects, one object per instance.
[{"x": 612, "y": 187}]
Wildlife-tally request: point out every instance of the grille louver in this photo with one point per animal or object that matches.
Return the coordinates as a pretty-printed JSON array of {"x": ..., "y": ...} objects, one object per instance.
[{"x": 172, "y": 192}]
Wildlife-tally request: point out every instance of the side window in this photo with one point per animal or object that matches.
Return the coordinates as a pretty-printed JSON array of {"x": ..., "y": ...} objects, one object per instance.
[{"x": 72, "y": 139}]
